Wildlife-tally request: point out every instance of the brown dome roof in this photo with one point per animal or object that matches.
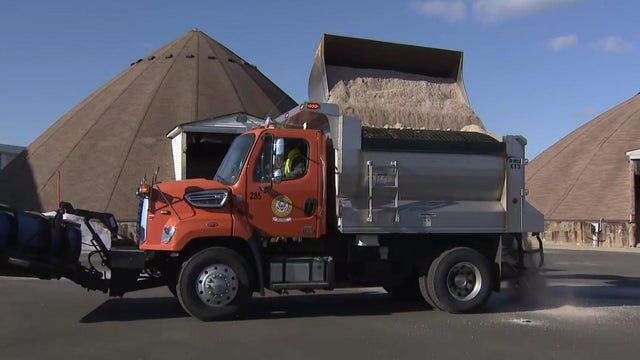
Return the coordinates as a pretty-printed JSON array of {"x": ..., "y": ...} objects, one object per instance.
[
  {"x": 586, "y": 175},
  {"x": 104, "y": 145}
]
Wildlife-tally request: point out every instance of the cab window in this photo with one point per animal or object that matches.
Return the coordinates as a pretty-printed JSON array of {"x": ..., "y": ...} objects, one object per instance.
[{"x": 296, "y": 161}]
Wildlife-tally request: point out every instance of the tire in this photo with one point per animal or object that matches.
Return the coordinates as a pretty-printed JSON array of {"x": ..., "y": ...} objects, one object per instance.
[
  {"x": 460, "y": 280},
  {"x": 214, "y": 284},
  {"x": 422, "y": 282}
]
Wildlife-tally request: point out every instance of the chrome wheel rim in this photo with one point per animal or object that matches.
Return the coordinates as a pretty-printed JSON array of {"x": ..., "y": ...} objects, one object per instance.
[
  {"x": 464, "y": 281},
  {"x": 217, "y": 285}
]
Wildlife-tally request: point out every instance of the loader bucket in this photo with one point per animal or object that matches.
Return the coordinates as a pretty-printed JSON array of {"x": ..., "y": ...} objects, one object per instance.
[
  {"x": 358, "y": 53},
  {"x": 392, "y": 85}
]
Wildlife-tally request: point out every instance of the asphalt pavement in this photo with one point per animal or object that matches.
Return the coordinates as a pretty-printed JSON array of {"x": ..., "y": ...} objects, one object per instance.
[{"x": 588, "y": 309}]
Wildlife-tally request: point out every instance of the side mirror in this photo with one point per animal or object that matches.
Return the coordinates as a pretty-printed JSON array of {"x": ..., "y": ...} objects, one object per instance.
[
  {"x": 278, "y": 160},
  {"x": 277, "y": 176}
]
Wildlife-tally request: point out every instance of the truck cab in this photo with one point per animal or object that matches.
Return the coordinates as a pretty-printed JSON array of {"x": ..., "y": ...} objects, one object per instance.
[
  {"x": 244, "y": 197},
  {"x": 253, "y": 202}
]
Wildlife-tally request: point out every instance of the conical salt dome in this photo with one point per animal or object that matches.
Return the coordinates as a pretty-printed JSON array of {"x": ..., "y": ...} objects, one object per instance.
[{"x": 104, "y": 145}]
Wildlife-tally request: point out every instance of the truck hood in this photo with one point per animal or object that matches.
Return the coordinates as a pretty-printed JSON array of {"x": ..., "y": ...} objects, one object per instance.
[{"x": 177, "y": 189}]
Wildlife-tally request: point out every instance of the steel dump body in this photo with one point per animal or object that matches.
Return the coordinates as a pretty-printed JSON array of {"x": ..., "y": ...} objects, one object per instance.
[
  {"x": 422, "y": 181},
  {"x": 437, "y": 189},
  {"x": 432, "y": 162},
  {"x": 393, "y": 179}
]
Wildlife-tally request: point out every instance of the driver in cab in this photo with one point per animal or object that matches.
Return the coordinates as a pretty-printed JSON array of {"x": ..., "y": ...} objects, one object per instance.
[{"x": 295, "y": 165}]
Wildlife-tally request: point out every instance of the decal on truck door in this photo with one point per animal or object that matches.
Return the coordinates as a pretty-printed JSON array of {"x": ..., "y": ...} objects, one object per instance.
[{"x": 281, "y": 206}]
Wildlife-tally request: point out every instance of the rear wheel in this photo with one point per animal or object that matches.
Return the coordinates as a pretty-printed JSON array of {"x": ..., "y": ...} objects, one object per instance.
[
  {"x": 422, "y": 281},
  {"x": 214, "y": 284},
  {"x": 459, "y": 280}
]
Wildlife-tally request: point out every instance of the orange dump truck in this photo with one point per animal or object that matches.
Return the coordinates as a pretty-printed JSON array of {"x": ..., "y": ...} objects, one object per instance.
[{"x": 431, "y": 215}]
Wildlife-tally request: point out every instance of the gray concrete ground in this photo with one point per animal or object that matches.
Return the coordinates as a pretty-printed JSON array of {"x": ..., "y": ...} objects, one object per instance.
[{"x": 589, "y": 310}]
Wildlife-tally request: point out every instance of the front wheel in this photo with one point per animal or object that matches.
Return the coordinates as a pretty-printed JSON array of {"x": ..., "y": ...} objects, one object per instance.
[
  {"x": 214, "y": 284},
  {"x": 460, "y": 280}
]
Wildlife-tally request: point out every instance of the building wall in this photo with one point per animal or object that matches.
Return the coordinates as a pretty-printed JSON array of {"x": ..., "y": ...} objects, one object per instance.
[{"x": 616, "y": 234}]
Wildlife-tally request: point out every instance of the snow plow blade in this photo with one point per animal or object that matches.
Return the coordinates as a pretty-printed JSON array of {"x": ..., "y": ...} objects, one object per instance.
[
  {"x": 50, "y": 247},
  {"x": 340, "y": 51}
]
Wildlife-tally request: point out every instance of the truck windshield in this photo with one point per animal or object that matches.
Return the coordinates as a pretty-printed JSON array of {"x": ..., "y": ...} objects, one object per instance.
[{"x": 231, "y": 167}]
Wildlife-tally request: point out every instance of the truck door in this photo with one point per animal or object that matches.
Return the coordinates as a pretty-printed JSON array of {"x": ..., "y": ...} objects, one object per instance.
[{"x": 288, "y": 208}]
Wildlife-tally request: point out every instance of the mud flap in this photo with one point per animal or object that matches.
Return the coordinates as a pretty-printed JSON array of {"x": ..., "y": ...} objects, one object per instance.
[{"x": 521, "y": 269}]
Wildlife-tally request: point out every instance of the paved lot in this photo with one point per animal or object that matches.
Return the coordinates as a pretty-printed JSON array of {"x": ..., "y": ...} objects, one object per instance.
[{"x": 590, "y": 310}]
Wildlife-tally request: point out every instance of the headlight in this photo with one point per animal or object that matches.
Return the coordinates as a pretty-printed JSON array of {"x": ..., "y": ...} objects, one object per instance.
[
  {"x": 207, "y": 198},
  {"x": 167, "y": 233}
]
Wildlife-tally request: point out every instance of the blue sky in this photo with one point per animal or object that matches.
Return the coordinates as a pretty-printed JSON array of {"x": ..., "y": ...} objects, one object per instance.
[{"x": 539, "y": 68}]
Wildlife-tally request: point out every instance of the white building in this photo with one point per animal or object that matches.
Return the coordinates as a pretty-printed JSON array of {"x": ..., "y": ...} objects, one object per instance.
[{"x": 8, "y": 153}]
